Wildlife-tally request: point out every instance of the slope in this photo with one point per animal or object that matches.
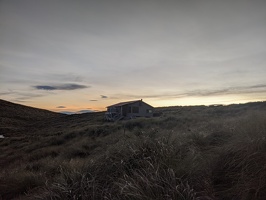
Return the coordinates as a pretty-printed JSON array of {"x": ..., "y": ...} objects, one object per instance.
[{"x": 15, "y": 118}]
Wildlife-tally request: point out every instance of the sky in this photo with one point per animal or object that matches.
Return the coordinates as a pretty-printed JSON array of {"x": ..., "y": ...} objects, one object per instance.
[{"x": 84, "y": 55}]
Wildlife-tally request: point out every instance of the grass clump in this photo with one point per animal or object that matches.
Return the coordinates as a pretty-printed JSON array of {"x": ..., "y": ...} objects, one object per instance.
[
  {"x": 143, "y": 170},
  {"x": 240, "y": 171},
  {"x": 155, "y": 184},
  {"x": 15, "y": 184}
]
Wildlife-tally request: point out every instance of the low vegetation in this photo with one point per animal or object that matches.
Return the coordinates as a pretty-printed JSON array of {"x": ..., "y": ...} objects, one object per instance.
[{"x": 185, "y": 153}]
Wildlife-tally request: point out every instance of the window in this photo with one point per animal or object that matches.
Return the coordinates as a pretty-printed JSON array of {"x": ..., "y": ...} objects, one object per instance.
[
  {"x": 129, "y": 109},
  {"x": 149, "y": 111},
  {"x": 135, "y": 109},
  {"x": 111, "y": 109}
]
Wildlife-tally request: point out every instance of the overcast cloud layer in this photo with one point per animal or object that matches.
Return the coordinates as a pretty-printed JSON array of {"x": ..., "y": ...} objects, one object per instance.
[{"x": 95, "y": 53}]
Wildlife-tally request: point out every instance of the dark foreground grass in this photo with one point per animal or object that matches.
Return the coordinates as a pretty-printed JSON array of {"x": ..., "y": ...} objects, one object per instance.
[{"x": 177, "y": 158}]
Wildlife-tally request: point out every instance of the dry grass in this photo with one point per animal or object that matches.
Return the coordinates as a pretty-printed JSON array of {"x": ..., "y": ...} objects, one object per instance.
[{"x": 186, "y": 153}]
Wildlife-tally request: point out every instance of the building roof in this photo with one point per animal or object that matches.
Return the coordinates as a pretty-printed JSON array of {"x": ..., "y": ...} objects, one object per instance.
[{"x": 123, "y": 103}]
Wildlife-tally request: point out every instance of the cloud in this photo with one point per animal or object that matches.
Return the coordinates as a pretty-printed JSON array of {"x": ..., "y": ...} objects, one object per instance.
[
  {"x": 28, "y": 96},
  {"x": 68, "y": 112},
  {"x": 104, "y": 97},
  {"x": 5, "y": 93},
  {"x": 181, "y": 43},
  {"x": 20, "y": 96},
  {"x": 85, "y": 111},
  {"x": 19, "y": 101},
  {"x": 78, "y": 112},
  {"x": 251, "y": 89},
  {"x": 60, "y": 87},
  {"x": 60, "y": 107},
  {"x": 93, "y": 100},
  {"x": 257, "y": 86},
  {"x": 44, "y": 87},
  {"x": 68, "y": 77}
]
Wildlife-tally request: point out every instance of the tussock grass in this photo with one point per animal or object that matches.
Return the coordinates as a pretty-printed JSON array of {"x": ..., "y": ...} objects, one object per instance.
[
  {"x": 143, "y": 170},
  {"x": 241, "y": 168},
  {"x": 155, "y": 184},
  {"x": 185, "y": 153},
  {"x": 12, "y": 185}
]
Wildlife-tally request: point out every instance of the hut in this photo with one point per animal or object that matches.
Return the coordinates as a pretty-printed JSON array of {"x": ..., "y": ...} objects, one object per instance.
[{"x": 128, "y": 110}]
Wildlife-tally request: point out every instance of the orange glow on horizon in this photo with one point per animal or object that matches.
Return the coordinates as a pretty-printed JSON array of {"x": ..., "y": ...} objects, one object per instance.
[{"x": 77, "y": 106}]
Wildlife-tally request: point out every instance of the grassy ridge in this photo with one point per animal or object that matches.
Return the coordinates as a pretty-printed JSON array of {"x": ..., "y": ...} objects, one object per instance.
[{"x": 185, "y": 153}]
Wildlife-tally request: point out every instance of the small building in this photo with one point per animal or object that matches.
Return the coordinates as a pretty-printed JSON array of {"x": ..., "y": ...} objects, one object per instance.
[{"x": 128, "y": 110}]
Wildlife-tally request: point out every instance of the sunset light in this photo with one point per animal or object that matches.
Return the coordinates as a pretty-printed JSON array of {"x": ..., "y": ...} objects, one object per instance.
[{"x": 85, "y": 55}]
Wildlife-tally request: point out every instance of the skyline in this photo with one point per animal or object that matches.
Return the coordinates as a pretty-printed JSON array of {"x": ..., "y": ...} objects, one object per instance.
[{"x": 86, "y": 55}]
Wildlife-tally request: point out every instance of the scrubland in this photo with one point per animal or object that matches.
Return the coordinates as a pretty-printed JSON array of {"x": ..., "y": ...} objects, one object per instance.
[{"x": 184, "y": 153}]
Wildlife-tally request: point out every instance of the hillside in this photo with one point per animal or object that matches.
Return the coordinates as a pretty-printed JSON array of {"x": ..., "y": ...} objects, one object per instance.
[
  {"x": 186, "y": 152},
  {"x": 13, "y": 110},
  {"x": 16, "y": 118}
]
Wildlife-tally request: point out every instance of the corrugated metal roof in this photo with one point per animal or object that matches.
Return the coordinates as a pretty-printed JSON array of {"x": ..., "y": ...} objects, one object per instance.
[{"x": 123, "y": 103}]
